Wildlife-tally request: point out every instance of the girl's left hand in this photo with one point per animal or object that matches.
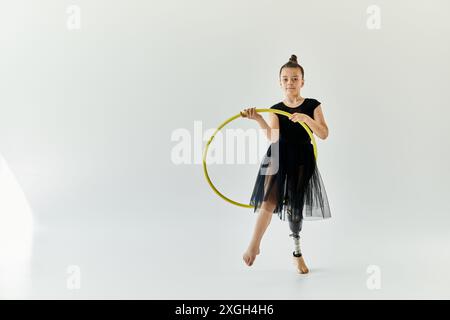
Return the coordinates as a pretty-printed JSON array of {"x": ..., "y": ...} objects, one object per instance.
[{"x": 298, "y": 117}]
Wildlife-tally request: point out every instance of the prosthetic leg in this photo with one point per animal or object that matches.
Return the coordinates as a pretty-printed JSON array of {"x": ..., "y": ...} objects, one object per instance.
[{"x": 295, "y": 224}]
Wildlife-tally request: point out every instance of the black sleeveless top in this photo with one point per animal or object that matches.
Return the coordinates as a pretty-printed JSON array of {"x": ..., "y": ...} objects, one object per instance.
[{"x": 292, "y": 131}]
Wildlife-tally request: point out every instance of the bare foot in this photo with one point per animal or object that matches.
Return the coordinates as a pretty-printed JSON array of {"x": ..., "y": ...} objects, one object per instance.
[
  {"x": 250, "y": 255},
  {"x": 301, "y": 265}
]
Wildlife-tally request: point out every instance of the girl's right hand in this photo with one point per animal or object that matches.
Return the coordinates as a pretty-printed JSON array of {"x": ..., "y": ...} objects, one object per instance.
[{"x": 251, "y": 114}]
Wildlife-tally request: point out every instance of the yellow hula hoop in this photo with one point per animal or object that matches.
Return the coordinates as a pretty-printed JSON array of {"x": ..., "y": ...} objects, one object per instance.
[{"x": 284, "y": 113}]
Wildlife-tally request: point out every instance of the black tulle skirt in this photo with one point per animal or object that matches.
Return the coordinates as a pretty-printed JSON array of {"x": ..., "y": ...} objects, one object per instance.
[{"x": 289, "y": 179}]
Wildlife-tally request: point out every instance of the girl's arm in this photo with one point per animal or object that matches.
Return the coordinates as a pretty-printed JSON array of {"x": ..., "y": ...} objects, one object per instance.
[
  {"x": 318, "y": 124},
  {"x": 272, "y": 130}
]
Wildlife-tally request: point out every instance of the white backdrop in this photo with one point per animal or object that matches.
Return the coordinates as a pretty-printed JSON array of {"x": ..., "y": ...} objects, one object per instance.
[{"x": 88, "y": 112}]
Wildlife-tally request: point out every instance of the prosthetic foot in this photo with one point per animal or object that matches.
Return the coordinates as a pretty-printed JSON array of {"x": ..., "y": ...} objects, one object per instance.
[
  {"x": 300, "y": 265},
  {"x": 298, "y": 260}
]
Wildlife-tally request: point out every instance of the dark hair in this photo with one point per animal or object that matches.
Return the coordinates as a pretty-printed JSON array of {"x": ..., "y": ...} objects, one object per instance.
[{"x": 292, "y": 63}]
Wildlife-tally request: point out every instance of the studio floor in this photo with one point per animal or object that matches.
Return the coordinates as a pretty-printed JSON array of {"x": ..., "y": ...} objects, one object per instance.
[{"x": 190, "y": 259}]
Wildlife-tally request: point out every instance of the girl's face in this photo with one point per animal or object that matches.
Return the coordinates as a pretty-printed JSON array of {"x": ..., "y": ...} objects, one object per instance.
[{"x": 291, "y": 81}]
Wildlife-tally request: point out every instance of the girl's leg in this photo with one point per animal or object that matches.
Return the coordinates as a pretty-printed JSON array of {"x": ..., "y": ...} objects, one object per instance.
[{"x": 262, "y": 222}]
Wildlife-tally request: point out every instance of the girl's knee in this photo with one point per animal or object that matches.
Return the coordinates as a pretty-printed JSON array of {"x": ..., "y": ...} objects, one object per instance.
[{"x": 268, "y": 206}]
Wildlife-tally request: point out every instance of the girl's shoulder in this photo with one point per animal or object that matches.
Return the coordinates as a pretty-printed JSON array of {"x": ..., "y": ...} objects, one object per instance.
[
  {"x": 278, "y": 105},
  {"x": 313, "y": 102}
]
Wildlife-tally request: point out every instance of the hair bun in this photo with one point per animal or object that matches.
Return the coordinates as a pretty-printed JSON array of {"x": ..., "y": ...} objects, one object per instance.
[{"x": 293, "y": 58}]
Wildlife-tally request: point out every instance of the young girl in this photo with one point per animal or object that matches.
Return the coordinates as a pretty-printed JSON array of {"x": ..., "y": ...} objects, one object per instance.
[{"x": 288, "y": 181}]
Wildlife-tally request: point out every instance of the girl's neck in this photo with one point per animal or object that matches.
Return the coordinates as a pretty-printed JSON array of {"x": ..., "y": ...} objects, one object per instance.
[{"x": 293, "y": 99}]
